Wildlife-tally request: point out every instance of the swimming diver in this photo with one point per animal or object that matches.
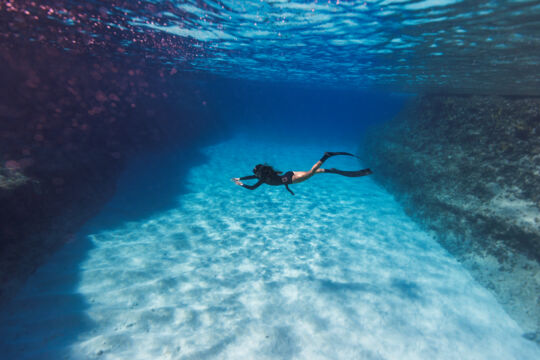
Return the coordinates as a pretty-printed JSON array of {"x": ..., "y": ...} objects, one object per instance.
[{"x": 267, "y": 175}]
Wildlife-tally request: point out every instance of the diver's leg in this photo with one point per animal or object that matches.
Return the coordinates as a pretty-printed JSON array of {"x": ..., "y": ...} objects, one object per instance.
[
  {"x": 316, "y": 167},
  {"x": 319, "y": 163},
  {"x": 299, "y": 176}
]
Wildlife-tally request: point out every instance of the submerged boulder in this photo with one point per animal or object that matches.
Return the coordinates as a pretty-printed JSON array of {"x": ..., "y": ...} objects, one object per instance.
[{"x": 468, "y": 168}]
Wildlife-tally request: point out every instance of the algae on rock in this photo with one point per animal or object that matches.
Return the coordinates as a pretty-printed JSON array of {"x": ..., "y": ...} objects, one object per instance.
[{"x": 468, "y": 168}]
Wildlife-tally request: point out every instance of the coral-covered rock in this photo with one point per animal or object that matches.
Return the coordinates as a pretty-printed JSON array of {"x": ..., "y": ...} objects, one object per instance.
[
  {"x": 468, "y": 167},
  {"x": 68, "y": 122}
]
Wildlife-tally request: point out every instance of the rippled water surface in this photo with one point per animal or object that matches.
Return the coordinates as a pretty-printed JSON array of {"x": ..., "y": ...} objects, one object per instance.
[{"x": 440, "y": 45}]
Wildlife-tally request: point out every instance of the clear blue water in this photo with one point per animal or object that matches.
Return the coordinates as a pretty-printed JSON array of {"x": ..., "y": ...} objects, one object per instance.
[
  {"x": 183, "y": 264},
  {"x": 336, "y": 272}
]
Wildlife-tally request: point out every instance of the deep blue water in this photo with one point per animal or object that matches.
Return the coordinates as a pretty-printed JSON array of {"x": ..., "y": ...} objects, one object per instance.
[{"x": 161, "y": 103}]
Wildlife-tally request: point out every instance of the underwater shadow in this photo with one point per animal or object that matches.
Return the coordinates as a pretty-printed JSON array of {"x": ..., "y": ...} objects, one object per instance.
[
  {"x": 333, "y": 286},
  {"x": 50, "y": 314},
  {"x": 407, "y": 289},
  {"x": 151, "y": 183}
]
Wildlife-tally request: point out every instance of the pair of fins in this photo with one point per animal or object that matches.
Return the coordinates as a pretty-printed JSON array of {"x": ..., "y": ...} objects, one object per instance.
[{"x": 357, "y": 173}]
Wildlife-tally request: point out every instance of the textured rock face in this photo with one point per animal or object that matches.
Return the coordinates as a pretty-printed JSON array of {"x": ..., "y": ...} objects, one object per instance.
[
  {"x": 468, "y": 168},
  {"x": 68, "y": 123}
]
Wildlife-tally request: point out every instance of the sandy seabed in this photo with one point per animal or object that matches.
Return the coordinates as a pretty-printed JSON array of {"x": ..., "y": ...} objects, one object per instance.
[{"x": 336, "y": 272}]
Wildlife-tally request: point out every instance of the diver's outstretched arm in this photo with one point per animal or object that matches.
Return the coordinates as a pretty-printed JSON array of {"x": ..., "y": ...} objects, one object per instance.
[
  {"x": 249, "y": 177},
  {"x": 252, "y": 187}
]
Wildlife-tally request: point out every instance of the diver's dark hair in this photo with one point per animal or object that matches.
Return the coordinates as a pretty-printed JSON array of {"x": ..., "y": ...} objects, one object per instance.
[{"x": 264, "y": 171}]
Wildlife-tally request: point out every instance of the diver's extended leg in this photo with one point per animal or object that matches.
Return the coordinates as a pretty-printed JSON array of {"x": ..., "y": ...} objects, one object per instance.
[
  {"x": 324, "y": 158},
  {"x": 299, "y": 176}
]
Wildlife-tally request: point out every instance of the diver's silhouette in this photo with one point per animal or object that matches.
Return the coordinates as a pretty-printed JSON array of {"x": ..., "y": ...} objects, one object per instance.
[{"x": 267, "y": 175}]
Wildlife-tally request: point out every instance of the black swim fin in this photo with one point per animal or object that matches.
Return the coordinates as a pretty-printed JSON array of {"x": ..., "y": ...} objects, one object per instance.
[
  {"x": 340, "y": 153},
  {"x": 329, "y": 154},
  {"x": 357, "y": 173}
]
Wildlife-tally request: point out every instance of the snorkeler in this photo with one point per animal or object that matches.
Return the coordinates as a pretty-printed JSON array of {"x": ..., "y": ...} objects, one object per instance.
[{"x": 267, "y": 175}]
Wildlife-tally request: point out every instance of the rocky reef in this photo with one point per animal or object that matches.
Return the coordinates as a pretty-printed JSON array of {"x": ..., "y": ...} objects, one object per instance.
[
  {"x": 468, "y": 168},
  {"x": 69, "y": 120}
]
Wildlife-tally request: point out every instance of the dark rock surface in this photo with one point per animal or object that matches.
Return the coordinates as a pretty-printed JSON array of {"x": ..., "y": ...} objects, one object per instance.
[
  {"x": 69, "y": 120},
  {"x": 468, "y": 168}
]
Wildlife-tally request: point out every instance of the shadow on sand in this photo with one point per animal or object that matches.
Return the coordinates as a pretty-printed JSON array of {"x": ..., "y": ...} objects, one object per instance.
[
  {"x": 49, "y": 315},
  {"x": 151, "y": 183}
]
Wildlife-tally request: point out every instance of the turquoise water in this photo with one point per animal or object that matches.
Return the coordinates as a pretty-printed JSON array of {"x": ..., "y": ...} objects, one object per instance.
[{"x": 336, "y": 272}]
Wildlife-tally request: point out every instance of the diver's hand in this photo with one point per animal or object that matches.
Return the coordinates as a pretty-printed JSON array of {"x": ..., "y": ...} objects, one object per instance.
[{"x": 237, "y": 181}]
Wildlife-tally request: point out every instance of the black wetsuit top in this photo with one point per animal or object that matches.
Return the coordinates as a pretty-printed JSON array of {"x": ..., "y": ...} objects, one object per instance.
[{"x": 275, "y": 179}]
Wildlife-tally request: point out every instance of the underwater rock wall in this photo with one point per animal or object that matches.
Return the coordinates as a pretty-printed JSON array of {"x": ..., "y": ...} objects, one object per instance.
[
  {"x": 468, "y": 167},
  {"x": 69, "y": 120}
]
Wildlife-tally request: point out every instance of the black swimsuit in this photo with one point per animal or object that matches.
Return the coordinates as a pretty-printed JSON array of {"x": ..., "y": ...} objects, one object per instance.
[
  {"x": 286, "y": 178},
  {"x": 275, "y": 179}
]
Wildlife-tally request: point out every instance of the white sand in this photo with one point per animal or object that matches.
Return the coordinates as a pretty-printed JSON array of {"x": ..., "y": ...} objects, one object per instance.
[{"x": 336, "y": 272}]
